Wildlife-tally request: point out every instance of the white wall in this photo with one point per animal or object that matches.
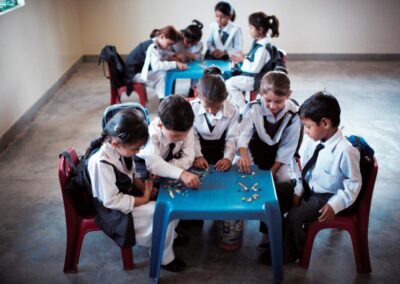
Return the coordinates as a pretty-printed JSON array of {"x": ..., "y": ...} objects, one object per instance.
[
  {"x": 307, "y": 26},
  {"x": 38, "y": 43}
]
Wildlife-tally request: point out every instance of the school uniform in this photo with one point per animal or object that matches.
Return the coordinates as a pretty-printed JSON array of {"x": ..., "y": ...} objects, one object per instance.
[
  {"x": 112, "y": 179},
  {"x": 215, "y": 136},
  {"x": 164, "y": 157},
  {"x": 229, "y": 39},
  {"x": 334, "y": 178},
  {"x": 270, "y": 138},
  {"x": 255, "y": 60},
  {"x": 146, "y": 64}
]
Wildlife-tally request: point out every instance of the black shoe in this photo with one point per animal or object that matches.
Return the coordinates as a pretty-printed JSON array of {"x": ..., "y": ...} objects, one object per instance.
[
  {"x": 181, "y": 238},
  {"x": 263, "y": 246},
  {"x": 177, "y": 265}
]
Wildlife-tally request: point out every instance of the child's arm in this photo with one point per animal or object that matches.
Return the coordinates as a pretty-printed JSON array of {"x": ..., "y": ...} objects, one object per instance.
[
  {"x": 261, "y": 57},
  {"x": 147, "y": 190},
  {"x": 157, "y": 63},
  {"x": 350, "y": 168},
  {"x": 210, "y": 40},
  {"x": 199, "y": 161},
  {"x": 245, "y": 133},
  {"x": 237, "y": 45}
]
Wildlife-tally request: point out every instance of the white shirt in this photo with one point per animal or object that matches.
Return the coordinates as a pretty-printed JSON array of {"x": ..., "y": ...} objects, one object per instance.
[
  {"x": 154, "y": 59},
  {"x": 157, "y": 149},
  {"x": 261, "y": 57},
  {"x": 288, "y": 135},
  {"x": 102, "y": 177},
  {"x": 336, "y": 171},
  {"x": 225, "y": 119},
  {"x": 234, "y": 42}
]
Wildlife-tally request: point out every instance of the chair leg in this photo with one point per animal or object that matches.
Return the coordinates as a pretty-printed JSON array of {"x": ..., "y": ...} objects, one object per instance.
[
  {"x": 140, "y": 89},
  {"x": 365, "y": 253},
  {"x": 306, "y": 256},
  {"x": 127, "y": 258},
  {"x": 70, "y": 266},
  {"x": 115, "y": 98},
  {"x": 356, "y": 248}
]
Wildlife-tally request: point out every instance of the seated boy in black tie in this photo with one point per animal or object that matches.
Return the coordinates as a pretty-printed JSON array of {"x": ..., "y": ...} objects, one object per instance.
[
  {"x": 330, "y": 179},
  {"x": 170, "y": 149}
]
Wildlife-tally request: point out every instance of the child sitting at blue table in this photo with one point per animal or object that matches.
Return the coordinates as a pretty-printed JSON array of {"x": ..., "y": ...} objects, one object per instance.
[
  {"x": 145, "y": 63},
  {"x": 270, "y": 130},
  {"x": 170, "y": 150},
  {"x": 122, "y": 202},
  {"x": 225, "y": 38},
  {"x": 258, "y": 56},
  {"x": 215, "y": 123},
  {"x": 331, "y": 177}
]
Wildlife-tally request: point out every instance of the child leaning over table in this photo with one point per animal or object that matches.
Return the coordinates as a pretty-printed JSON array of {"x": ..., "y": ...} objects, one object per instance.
[{"x": 331, "y": 178}]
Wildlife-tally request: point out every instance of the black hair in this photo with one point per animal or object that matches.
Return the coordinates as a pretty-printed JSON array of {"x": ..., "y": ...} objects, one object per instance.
[
  {"x": 169, "y": 32},
  {"x": 176, "y": 113},
  {"x": 226, "y": 9},
  {"x": 260, "y": 20},
  {"x": 193, "y": 31},
  {"x": 320, "y": 105},
  {"x": 128, "y": 126},
  {"x": 212, "y": 86}
]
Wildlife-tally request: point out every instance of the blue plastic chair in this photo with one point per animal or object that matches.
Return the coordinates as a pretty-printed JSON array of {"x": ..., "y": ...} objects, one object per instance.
[{"x": 220, "y": 198}]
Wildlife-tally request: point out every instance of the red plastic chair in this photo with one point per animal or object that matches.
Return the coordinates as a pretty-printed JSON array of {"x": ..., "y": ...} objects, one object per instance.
[
  {"x": 354, "y": 220},
  {"x": 78, "y": 225},
  {"x": 116, "y": 93}
]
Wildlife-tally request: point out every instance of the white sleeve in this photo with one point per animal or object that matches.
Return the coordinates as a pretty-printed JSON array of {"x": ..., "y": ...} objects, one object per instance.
[
  {"x": 103, "y": 180},
  {"x": 261, "y": 57},
  {"x": 246, "y": 130},
  {"x": 188, "y": 155},
  {"x": 198, "y": 50},
  {"x": 237, "y": 45},
  {"x": 210, "y": 41},
  {"x": 350, "y": 167},
  {"x": 231, "y": 138},
  {"x": 289, "y": 141},
  {"x": 157, "y": 64},
  {"x": 155, "y": 163},
  {"x": 298, "y": 190},
  {"x": 197, "y": 146}
]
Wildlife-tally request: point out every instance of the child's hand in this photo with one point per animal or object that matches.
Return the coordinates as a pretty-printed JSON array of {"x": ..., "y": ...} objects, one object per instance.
[
  {"x": 218, "y": 53},
  {"x": 152, "y": 176},
  {"x": 154, "y": 194},
  {"x": 181, "y": 66},
  {"x": 327, "y": 213},
  {"x": 296, "y": 200},
  {"x": 200, "y": 163},
  {"x": 148, "y": 188},
  {"x": 223, "y": 165},
  {"x": 236, "y": 58},
  {"x": 180, "y": 57},
  {"x": 190, "y": 180},
  {"x": 190, "y": 55},
  {"x": 244, "y": 161}
]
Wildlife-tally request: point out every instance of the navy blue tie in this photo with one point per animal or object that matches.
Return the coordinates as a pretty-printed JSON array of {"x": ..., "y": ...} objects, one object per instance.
[
  {"x": 223, "y": 35},
  {"x": 307, "y": 167},
  {"x": 170, "y": 152}
]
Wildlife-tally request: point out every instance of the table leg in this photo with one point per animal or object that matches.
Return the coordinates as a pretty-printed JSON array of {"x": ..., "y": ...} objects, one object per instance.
[
  {"x": 160, "y": 224},
  {"x": 169, "y": 80},
  {"x": 274, "y": 222}
]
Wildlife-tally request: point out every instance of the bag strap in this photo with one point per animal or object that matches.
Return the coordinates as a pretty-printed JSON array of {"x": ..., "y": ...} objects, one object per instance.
[{"x": 68, "y": 157}]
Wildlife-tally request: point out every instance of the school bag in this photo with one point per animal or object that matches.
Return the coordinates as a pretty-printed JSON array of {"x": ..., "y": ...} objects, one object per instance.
[
  {"x": 78, "y": 185},
  {"x": 112, "y": 110},
  {"x": 366, "y": 164},
  {"x": 275, "y": 63},
  {"x": 116, "y": 64}
]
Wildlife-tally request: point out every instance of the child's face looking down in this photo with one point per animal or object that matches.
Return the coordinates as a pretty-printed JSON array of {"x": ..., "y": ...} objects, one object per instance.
[
  {"x": 127, "y": 150},
  {"x": 188, "y": 42},
  {"x": 273, "y": 102},
  {"x": 317, "y": 131},
  {"x": 173, "y": 135},
  {"x": 211, "y": 107},
  {"x": 221, "y": 18},
  {"x": 164, "y": 42}
]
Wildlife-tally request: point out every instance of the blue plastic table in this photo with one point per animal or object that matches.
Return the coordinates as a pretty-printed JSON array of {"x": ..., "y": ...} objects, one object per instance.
[
  {"x": 220, "y": 198},
  {"x": 194, "y": 71}
]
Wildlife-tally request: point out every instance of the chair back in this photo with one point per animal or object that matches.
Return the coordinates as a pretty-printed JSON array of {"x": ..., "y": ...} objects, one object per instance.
[
  {"x": 114, "y": 109},
  {"x": 64, "y": 171},
  {"x": 365, "y": 197}
]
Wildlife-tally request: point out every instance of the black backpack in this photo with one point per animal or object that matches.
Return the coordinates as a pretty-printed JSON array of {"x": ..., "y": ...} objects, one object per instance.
[
  {"x": 275, "y": 63},
  {"x": 116, "y": 64},
  {"x": 78, "y": 185}
]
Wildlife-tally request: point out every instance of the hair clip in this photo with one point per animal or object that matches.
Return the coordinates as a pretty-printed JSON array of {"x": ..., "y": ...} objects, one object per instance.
[{"x": 123, "y": 135}]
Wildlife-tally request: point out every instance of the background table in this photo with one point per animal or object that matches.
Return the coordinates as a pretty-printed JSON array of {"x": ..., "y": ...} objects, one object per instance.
[
  {"x": 194, "y": 71},
  {"x": 220, "y": 198}
]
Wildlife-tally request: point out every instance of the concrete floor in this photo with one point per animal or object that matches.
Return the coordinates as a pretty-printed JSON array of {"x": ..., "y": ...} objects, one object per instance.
[{"x": 32, "y": 226}]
